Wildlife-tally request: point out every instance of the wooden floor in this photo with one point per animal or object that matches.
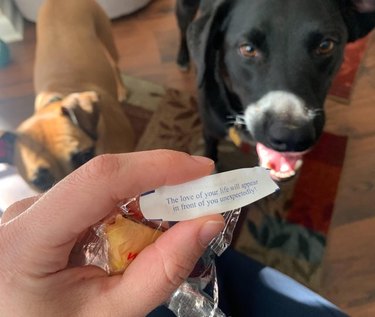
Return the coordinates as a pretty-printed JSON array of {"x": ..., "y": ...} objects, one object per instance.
[{"x": 147, "y": 42}]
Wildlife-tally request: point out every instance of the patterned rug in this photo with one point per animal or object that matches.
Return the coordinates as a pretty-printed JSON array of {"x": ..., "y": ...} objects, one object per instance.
[{"x": 287, "y": 230}]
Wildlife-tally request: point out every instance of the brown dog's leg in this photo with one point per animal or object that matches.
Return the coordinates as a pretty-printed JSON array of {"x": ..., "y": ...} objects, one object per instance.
[
  {"x": 85, "y": 99},
  {"x": 83, "y": 111},
  {"x": 104, "y": 32},
  {"x": 44, "y": 98}
]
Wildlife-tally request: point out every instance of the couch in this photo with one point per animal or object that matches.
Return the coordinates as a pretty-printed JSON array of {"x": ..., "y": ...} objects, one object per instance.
[{"x": 113, "y": 8}]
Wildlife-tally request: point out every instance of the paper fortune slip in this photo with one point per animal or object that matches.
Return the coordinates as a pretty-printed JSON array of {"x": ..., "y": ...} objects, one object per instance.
[{"x": 208, "y": 195}]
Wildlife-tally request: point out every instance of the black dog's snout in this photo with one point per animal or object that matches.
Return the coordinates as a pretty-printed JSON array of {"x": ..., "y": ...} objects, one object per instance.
[
  {"x": 43, "y": 179},
  {"x": 290, "y": 137}
]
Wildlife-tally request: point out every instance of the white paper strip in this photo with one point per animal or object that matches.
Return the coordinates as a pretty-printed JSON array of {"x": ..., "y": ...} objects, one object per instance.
[{"x": 212, "y": 194}]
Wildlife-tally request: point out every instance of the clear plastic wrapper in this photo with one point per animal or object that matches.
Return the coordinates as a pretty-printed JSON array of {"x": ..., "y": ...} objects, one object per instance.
[
  {"x": 115, "y": 242},
  {"x": 199, "y": 294}
]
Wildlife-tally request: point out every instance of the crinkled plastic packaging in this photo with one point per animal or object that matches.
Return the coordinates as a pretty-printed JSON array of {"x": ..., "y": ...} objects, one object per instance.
[{"x": 115, "y": 242}]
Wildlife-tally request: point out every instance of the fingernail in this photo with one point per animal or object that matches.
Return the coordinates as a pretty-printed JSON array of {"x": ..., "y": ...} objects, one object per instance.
[
  {"x": 202, "y": 160},
  {"x": 209, "y": 231}
]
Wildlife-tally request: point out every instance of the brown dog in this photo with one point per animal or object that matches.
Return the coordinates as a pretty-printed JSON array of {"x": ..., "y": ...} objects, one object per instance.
[{"x": 79, "y": 90}]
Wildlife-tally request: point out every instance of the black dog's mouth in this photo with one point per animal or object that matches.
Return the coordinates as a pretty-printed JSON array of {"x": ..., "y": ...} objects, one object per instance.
[{"x": 282, "y": 165}]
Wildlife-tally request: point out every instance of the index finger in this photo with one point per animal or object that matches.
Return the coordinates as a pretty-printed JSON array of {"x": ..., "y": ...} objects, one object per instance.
[{"x": 88, "y": 195}]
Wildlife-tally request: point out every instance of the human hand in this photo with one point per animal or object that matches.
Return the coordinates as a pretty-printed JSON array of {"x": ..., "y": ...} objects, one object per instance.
[{"x": 37, "y": 236}]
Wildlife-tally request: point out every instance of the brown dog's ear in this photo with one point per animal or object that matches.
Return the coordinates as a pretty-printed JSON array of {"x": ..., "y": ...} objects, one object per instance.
[
  {"x": 7, "y": 142},
  {"x": 83, "y": 111},
  {"x": 205, "y": 37},
  {"x": 359, "y": 16}
]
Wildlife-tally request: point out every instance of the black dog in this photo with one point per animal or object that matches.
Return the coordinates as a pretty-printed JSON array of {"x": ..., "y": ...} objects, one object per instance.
[{"x": 266, "y": 66}]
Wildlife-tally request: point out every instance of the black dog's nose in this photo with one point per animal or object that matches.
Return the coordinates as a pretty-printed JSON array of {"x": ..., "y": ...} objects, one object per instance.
[
  {"x": 290, "y": 137},
  {"x": 43, "y": 179}
]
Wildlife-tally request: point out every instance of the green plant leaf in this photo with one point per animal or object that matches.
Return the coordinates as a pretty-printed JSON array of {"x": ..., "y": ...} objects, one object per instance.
[
  {"x": 279, "y": 240},
  {"x": 253, "y": 229},
  {"x": 303, "y": 246},
  {"x": 264, "y": 235}
]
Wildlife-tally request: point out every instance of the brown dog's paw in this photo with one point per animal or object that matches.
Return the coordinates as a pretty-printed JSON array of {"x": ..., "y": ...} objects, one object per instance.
[
  {"x": 122, "y": 93},
  {"x": 83, "y": 110},
  {"x": 85, "y": 99}
]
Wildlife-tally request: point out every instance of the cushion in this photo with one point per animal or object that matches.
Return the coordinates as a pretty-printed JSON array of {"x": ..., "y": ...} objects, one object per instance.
[{"x": 114, "y": 8}]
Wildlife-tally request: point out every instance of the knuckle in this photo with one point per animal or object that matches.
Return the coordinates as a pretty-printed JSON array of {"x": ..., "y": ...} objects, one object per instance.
[
  {"x": 175, "y": 270},
  {"x": 175, "y": 274},
  {"x": 100, "y": 168},
  {"x": 169, "y": 158}
]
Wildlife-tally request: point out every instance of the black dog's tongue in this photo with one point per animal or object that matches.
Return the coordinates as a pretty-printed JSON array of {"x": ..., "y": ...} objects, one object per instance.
[{"x": 282, "y": 165}]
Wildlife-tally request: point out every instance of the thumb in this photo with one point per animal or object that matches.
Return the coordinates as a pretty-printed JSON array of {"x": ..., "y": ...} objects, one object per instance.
[{"x": 160, "y": 269}]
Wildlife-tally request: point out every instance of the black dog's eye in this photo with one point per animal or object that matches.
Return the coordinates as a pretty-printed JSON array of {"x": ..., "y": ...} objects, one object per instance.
[
  {"x": 326, "y": 47},
  {"x": 249, "y": 51}
]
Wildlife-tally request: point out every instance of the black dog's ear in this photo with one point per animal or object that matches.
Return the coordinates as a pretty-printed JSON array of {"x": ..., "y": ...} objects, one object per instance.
[
  {"x": 359, "y": 20},
  {"x": 7, "y": 142},
  {"x": 204, "y": 36}
]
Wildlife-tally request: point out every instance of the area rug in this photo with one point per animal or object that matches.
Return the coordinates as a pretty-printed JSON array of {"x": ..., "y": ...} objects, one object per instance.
[{"x": 287, "y": 230}]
